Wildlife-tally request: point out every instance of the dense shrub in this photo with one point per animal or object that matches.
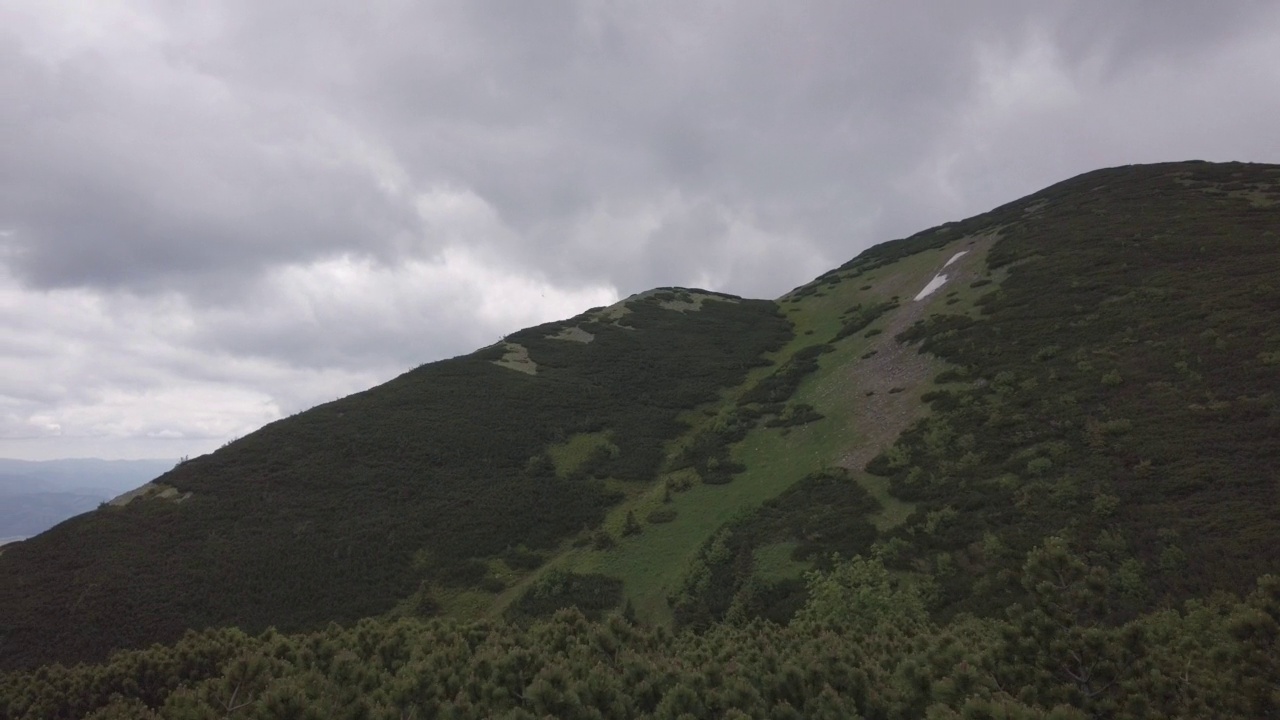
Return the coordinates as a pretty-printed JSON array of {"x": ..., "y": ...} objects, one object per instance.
[{"x": 344, "y": 510}]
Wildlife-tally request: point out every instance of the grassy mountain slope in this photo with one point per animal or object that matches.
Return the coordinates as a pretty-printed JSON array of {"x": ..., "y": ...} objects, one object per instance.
[
  {"x": 1112, "y": 382},
  {"x": 1100, "y": 364},
  {"x": 395, "y": 494},
  {"x": 1120, "y": 386},
  {"x": 846, "y": 427}
]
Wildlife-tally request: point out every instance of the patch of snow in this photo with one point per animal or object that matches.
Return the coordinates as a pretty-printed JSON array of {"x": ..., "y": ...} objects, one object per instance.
[
  {"x": 956, "y": 257},
  {"x": 934, "y": 284}
]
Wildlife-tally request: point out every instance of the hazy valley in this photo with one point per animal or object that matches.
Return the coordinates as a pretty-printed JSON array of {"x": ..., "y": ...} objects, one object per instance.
[
  {"x": 1022, "y": 465},
  {"x": 35, "y": 496}
]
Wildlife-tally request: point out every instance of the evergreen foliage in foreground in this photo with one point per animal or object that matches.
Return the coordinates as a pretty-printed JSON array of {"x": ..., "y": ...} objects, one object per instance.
[{"x": 863, "y": 646}]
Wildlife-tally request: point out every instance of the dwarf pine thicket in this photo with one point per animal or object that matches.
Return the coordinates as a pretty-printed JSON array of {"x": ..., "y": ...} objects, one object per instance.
[
  {"x": 342, "y": 511},
  {"x": 863, "y": 645}
]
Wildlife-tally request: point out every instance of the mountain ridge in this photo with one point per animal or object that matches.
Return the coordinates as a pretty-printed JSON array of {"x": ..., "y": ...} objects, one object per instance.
[{"x": 698, "y": 453}]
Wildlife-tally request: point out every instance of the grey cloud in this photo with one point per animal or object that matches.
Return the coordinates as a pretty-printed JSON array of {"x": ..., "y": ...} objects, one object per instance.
[
  {"x": 1145, "y": 31},
  {"x": 803, "y": 114},
  {"x": 104, "y": 187}
]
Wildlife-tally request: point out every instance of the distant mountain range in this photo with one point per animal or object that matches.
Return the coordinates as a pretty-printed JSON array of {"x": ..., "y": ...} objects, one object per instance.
[{"x": 36, "y": 495}]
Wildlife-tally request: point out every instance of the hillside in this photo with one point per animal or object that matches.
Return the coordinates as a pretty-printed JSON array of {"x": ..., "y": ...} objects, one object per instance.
[
  {"x": 1095, "y": 376},
  {"x": 389, "y": 495}
]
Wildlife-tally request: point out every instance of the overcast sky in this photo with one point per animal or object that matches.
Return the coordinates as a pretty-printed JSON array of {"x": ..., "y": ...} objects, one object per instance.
[{"x": 215, "y": 213}]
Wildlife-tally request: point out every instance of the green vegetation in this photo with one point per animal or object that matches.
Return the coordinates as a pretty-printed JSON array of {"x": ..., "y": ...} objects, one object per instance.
[
  {"x": 779, "y": 386},
  {"x": 1079, "y": 519},
  {"x": 858, "y": 318},
  {"x": 584, "y": 453},
  {"x": 593, "y": 595},
  {"x": 795, "y": 414},
  {"x": 402, "y": 491},
  {"x": 824, "y": 516},
  {"x": 1117, "y": 360},
  {"x": 863, "y": 645}
]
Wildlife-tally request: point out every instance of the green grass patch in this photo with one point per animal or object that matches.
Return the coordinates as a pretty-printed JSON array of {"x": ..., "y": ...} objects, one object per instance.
[
  {"x": 775, "y": 562},
  {"x": 574, "y": 454}
]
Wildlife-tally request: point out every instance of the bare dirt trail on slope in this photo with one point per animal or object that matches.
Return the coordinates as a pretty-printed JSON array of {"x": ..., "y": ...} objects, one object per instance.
[
  {"x": 877, "y": 419},
  {"x": 880, "y": 415}
]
